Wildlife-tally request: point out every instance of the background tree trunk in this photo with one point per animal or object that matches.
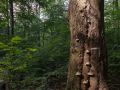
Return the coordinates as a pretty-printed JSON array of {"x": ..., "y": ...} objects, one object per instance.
[
  {"x": 10, "y": 17},
  {"x": 116, "y": 19},
  {"x": 87, "y": 66}
]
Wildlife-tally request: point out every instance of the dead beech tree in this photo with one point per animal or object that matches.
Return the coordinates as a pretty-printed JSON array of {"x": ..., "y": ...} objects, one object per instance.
[{"x": 87, "y": 66}]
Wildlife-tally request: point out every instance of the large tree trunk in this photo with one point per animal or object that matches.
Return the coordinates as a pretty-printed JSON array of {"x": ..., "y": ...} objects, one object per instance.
[{"x": 87, "y": 66}]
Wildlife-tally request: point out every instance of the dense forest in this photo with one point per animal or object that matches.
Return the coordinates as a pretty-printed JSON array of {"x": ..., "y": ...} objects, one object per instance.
[{"x": 35, "y": 44}]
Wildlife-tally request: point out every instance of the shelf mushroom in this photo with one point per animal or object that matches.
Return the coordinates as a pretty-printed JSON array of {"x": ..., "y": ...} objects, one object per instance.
[
  {"x": 78, "y": 73},
  {"x": 90, "y": 73},
  {"x": 87, "y": 51},
  {"x": 87, "y": 64},
  {"x": 77, "y": 40},
  {"x": 85, "y": 82}
]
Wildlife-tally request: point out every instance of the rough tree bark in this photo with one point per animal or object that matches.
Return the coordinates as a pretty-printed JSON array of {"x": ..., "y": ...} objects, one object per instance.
[{"x": 87, "y": 66}]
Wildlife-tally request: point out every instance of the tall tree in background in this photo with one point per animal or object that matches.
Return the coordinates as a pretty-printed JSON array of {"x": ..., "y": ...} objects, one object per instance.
[
  {"x": 87, "y": 66},
  {"x": 115, "y": 4},
  {"x": 10, "y": 18},
  {"x": 116, "y": 19}
]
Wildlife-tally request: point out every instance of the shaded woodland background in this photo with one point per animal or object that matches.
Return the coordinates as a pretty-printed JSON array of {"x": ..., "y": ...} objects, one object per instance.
[{"x": 35, "y": 52}]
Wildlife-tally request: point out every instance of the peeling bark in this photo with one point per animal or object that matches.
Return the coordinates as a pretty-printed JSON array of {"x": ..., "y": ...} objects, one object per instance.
[{"x": 87, "y": 66}]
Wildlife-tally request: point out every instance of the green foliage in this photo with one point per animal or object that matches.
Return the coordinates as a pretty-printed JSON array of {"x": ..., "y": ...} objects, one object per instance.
[
  {"x": 37, "y": 54},
  {"x": 112, "y": 17},
  {"x": 16, "y": 40},
  {"x": 40, "y": 47}
]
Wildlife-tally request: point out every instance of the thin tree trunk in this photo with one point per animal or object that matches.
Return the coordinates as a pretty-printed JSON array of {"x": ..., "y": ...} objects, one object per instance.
[
  {"x": 7, "y": 86},
  {"x": 87, "y": 66},
  {"x": 116, "y": 19},
  {"x": 11, "y": 17},
  {"x": 7, "y": 31}
]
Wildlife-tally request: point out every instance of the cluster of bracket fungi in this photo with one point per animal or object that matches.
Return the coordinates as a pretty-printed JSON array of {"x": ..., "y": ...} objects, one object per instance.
[{"x": 88, "y": 65}]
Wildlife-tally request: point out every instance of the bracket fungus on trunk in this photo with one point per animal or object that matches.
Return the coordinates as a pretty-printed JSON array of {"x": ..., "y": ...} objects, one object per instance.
[
  {"x": 85, "y": 82},
  {"x": 90, "y": 73},
  {"x": 88, "y": 63},
  {"x": 88, "y": 52},
  {"x": 78, "y": 73},
  {"x": 77, "y": 40}
]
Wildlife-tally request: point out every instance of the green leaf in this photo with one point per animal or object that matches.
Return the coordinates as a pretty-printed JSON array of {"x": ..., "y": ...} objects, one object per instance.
[{"x": 32, "y": 49}]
